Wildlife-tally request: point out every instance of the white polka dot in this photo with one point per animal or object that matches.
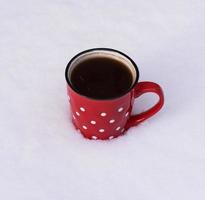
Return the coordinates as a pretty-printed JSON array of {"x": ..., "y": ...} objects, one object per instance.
[
  {"x": 118, "y": 128},
  {"x": 85, "y": 127},
  {"x": 112, "y": 121},
  {"x": 122, "y": 130},
  {"x": 82, "y": 109},
  {"x": 74, "y": 117},
  {"x": 126, "y": 114},
  {"x": 93, "y": 122},
  {"x": 120, "y": 109},
  {"x": 103, "y": 114},
  {"x": 77, "y": 113},
  {"x": 101, "y": 130},
  {"x": 94, "y": 137},
  {"x": 111, "y": 137}
]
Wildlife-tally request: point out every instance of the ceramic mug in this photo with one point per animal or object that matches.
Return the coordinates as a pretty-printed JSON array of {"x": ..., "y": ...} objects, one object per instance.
[{"x": 109, "y": 118}]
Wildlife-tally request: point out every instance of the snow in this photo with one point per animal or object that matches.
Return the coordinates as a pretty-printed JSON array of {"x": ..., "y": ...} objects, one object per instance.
[{"x": 44, "y": 158}]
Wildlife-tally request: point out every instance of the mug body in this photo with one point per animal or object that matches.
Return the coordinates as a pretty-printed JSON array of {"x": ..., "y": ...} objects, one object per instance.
[{"x": 100, "y": 119}]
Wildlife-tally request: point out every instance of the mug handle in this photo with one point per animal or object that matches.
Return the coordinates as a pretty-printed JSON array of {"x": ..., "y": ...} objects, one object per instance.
[{"x": 141, "y": 88}]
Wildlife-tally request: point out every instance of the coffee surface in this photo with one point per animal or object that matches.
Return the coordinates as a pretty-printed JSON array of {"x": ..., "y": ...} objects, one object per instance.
[{"x": 101, "y": 78}]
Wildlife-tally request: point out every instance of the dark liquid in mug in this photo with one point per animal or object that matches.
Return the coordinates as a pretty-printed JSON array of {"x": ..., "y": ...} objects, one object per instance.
[{"x": 101, "y": 78}]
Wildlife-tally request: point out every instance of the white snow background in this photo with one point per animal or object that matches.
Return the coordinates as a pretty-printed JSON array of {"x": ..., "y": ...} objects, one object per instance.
[{"x": 44, "y": 158}]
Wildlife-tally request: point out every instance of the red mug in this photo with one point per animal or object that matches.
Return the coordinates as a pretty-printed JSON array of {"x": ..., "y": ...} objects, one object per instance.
[{"x": 109, "y": 118}]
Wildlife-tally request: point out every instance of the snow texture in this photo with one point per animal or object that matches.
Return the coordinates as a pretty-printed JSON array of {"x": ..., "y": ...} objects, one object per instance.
[{"x": 44, "y": 158}]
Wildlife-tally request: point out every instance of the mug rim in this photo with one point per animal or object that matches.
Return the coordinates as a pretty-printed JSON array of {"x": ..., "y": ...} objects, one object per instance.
[{"x": 102, "y": 49}]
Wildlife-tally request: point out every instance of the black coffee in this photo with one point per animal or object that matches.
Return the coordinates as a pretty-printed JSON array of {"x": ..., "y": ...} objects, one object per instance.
[{"x": 101, "y": 78}]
